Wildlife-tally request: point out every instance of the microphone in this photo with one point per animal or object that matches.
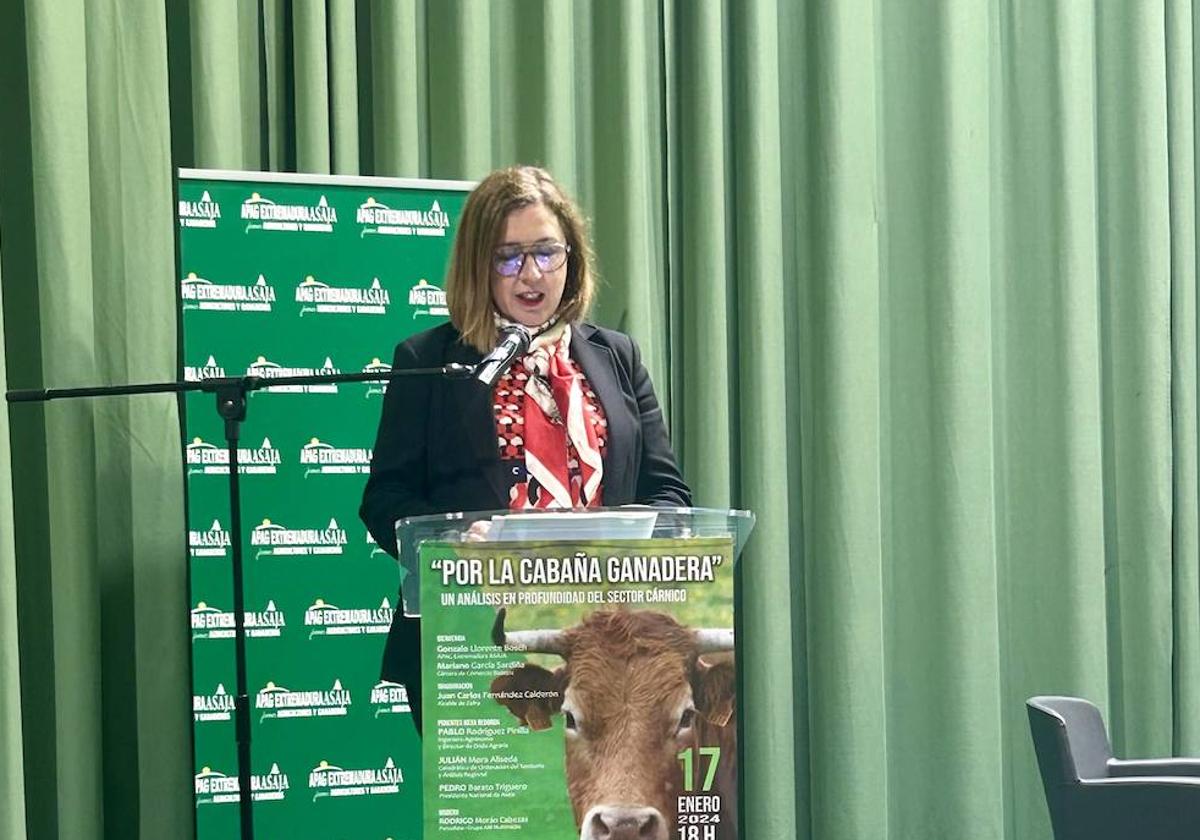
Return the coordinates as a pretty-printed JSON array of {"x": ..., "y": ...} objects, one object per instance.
[{"x": 514, "y": 342}]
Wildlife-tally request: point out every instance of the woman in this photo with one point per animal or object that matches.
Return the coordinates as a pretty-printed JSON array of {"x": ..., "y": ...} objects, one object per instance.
[{"x": 573, "y": 424}]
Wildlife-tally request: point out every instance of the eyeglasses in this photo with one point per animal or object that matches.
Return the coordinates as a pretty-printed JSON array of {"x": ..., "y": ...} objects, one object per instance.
[{"x": 509, "y": 260}]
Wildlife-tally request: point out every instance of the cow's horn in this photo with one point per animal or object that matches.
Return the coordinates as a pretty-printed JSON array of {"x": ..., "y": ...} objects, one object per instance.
[
  {"x": 713, "y": 640},
  {"x": 531, "y": 641}
]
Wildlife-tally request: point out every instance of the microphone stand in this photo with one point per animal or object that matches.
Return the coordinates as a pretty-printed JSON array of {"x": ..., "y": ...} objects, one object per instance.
[{"x": 231, "y": 401}]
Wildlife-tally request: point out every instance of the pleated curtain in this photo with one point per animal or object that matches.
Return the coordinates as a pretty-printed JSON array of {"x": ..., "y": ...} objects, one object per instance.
[{"x": 916, "y": 282}]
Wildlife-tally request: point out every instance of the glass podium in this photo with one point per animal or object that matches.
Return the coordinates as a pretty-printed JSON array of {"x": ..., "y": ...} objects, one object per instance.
[{"x": 578, "y": 671}]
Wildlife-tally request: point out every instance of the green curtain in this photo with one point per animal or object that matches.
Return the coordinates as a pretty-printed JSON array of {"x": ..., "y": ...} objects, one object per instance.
[
  {"x": 916, "y": 282},
  {"x": 12, "y": 783}
]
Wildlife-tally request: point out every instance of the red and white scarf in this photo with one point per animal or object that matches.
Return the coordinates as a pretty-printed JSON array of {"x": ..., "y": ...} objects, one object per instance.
[{"x": 554, "y": 414}]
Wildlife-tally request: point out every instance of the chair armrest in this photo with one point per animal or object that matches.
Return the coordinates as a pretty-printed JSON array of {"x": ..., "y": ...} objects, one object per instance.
[
  {"x": 1157, "y": 767},
  {"x": 1146, "y": 808},
  {"x": 1147, "y": 782}
]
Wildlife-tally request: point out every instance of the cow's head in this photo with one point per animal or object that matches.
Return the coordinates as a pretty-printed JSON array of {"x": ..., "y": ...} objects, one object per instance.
[{"x": 634, "y": 690}]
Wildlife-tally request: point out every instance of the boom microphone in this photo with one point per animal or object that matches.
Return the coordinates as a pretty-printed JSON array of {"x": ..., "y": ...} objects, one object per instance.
[{"x": 514, "y": 341}]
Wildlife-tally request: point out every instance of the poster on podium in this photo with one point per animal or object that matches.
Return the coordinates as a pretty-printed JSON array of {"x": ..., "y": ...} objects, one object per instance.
[{"x": 579, "y": 688}]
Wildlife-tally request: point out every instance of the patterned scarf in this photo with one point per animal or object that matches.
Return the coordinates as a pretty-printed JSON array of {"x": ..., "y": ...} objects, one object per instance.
[{"x": 562, "y": 456}]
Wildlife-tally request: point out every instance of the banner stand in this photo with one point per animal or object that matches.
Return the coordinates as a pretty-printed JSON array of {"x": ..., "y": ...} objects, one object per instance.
[{"x": 277, "y": 272}]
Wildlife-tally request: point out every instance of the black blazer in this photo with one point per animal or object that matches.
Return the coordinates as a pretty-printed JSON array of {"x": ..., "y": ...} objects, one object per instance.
[{"x": 436, "y": 449}]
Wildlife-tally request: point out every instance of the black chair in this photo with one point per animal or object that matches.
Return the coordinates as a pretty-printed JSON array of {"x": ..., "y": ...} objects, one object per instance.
[{"x": 1093, "y": 796}]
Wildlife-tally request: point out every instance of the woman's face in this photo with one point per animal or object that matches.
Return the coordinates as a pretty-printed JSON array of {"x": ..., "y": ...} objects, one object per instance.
[{"x": 532, "y": 237}]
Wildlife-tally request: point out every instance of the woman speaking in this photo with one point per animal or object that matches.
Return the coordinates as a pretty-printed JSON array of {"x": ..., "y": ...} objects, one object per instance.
[{"x": 573, "y": 423}]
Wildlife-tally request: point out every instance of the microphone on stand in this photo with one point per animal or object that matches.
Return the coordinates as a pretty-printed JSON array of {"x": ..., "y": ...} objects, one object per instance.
[{"x": 514, "y": 342}]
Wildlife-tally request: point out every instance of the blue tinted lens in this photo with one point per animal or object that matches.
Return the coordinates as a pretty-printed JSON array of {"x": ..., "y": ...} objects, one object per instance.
[
  {"x": 509, "y": 265},
  {"x": 547, "y": 258}
]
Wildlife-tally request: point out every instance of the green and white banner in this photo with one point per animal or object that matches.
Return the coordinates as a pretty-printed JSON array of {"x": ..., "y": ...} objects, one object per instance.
[
  {"x": 580, "y": 689},
  {"x": 280, "y": 276}
]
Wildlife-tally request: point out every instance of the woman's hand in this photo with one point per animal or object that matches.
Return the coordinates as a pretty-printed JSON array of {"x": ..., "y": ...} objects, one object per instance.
[{"x": 478, "y": 531}]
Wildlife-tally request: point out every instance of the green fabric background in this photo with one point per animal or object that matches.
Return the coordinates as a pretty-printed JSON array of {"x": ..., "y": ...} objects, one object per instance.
[{"x": 916, "y": 281}]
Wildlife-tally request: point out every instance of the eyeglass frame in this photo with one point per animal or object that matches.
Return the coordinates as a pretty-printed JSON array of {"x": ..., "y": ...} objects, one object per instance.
[{"x": 526, "y": 252}]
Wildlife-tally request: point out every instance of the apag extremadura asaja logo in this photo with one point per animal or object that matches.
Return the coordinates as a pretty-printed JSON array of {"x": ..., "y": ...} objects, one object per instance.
[
  {"x": 390, "y": 698},
  {"x": 274, "y": 540},
  {"x": 199, "y": 214},
  {"x": 320, "y": 458},
  {"x": 331, "y": 620},
  {"x": 378, "y": 218},
  {"x": 209, "y": 370},
  {"x": 205, "y": 458},
  {"x": 376, "y": 387},
  {"x": 276, "y": 701},
  {"x": 266, "y": 369},
  {"x": 217, "y": 706},
  {"x": 328, "y": 779},
  {"x": 261, "y": 213},
  {"x": 267, "y": 623},
  {"x": 427, "y": 299},
  {"x": 209, "y": 622},
  {"x": 315, "y": 296},
  {"x": 213, "y": 787},
  {"x": 215, "y": 542},
  {"x": 201, "y": 293}
]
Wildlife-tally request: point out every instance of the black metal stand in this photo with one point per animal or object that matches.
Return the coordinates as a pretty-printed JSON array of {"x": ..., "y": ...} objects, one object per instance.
[
  {"x": 231, "y": 394},
  {"x": 231, "y": 405}
]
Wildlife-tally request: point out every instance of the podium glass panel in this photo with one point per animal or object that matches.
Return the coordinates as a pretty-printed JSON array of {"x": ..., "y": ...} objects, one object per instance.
[{"x": 579, "y": 671}]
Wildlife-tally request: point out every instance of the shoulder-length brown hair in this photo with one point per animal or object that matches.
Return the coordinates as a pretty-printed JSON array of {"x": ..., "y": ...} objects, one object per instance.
[{"x": 469, "y": 278}]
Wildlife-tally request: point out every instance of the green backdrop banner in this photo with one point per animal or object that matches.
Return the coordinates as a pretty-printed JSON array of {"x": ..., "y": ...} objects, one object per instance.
[{"x": 283, "y": 276}]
